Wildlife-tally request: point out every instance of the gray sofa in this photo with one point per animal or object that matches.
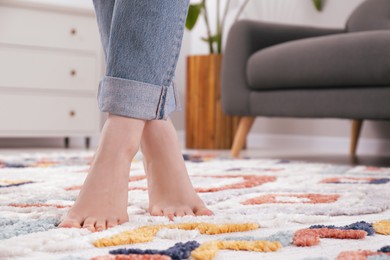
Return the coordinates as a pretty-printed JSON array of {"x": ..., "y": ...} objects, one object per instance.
[{"x": 276, "y": 70}]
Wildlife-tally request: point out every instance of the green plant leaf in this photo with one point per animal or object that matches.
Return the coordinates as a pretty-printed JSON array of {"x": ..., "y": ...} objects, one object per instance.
[
  {"x": 205, "y": 39},
  {"x": 192, "y": 15},
  {"x": 212, "y": 39},
  {"x": 318, "y": 4}
]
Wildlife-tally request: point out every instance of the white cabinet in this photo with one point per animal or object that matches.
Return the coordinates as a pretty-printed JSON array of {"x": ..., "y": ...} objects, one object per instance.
[{"x": 50, "y": 67}]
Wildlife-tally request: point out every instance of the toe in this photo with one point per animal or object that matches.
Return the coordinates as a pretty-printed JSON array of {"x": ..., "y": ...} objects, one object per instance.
[
  {"x": 169, "y": 213},
  {"x": 89, "y": 223},
  {"x": 70, "y": 223},
  {"x": 203, "y": 211},
  {"x": 100, "y": 225},
  {"x": 112, "y": 222},
  {"x": 179, "y": 212},
  {"x": 188, "y": 212},
  {"x": 156, "y": 211}
]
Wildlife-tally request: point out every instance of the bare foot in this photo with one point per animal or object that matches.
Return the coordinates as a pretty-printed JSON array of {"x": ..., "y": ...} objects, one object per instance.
[
  {"x": 102, "y": 202},
  {"x": 170, "y": 190}
]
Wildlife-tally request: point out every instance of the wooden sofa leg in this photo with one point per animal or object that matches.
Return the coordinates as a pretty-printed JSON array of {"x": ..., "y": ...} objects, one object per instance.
[
  {"x": 243, "y": 129},
  {"x": 355, "y": 133}
]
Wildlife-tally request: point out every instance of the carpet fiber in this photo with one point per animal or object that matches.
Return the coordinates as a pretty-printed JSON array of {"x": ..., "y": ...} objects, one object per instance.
[{"x": 269, "y": 209}]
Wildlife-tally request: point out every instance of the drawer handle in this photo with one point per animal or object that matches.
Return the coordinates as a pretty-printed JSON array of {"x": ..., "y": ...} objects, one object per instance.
[
  {"x": 72, "y": 113},
  {"x": 73, "y": 31},
  {"x": 73, "y": 73}
]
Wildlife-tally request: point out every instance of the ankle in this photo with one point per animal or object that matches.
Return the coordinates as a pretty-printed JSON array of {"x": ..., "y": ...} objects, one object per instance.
[
  {"x": 120, "y": 137},
  {"x": 121, "y": 155}
]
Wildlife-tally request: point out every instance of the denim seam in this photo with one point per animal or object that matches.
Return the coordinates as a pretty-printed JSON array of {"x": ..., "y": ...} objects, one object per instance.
[
  {"x": 162, "y": 103},
  {"x": 179, "y": 37},
  {"x": 169, "y": 74}
]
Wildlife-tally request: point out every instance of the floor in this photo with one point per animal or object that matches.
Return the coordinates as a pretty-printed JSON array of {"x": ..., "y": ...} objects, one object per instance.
[
  {"x": 289, "y": 154},
  {"x": 272, "y": 221},
  {"x": 321, "y": 157}
]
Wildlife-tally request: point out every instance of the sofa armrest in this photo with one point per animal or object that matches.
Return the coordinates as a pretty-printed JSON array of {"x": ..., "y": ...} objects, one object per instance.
[{"x": 245, "y": 38}]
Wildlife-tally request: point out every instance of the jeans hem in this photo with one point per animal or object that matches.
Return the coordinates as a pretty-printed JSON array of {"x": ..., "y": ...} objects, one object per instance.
[{"x": 136, "y": 99}]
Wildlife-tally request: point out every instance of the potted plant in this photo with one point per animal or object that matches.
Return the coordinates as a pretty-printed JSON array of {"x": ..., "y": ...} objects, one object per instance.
[
  {"x": 207, "y": 127},
  {"x": 195, "y": 10}
]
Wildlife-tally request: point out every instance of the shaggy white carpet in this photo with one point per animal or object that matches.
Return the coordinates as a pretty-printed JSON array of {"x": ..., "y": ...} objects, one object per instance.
[{"x": 278, "y": 195}]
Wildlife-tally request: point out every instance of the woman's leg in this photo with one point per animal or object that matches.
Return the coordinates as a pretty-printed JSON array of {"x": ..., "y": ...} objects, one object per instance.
[
  {"x": 142, "y": 51},
  {"x": 170, "y": 189},
  {"x": 141, "y": 45}
]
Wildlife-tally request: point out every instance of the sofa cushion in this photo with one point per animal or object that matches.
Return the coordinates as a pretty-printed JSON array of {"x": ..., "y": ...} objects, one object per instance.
[
  {"x": 370, "y": 15},
  {"x": 348, "y": 60}
]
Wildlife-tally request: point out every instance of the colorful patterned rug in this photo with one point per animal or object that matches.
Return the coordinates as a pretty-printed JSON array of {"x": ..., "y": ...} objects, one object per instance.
[{"x": 268, "y": 209}]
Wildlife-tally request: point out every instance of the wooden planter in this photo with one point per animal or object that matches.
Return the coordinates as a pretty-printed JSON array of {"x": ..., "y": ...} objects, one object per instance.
[{"x": 207, "y": 127}]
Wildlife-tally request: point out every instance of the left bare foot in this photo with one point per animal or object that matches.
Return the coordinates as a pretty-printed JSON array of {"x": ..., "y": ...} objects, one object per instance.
[
  {"x": 102, "y": 202},
  {"x": 170, "y": 190}
]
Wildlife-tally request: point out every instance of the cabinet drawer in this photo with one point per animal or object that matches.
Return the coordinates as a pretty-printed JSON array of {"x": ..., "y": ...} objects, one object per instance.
[
  {"x": 48, "y": 29},
  {"x": 47, "y": 69},
  {"x": 23, "y": 113}
]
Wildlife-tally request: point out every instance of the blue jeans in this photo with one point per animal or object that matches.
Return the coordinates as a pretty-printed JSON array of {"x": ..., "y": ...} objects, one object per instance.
[{"x": 141, "y": 41}]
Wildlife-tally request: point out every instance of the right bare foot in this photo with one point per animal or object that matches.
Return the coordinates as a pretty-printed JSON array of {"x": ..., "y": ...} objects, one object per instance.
[
  {"x": 102, "y": 202},
  {"x": 171, "y": 193}
]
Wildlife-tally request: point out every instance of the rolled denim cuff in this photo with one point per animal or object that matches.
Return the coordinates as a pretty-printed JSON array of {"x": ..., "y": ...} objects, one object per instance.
[{"x": 136, "y": 99}]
